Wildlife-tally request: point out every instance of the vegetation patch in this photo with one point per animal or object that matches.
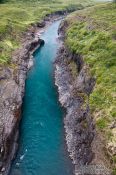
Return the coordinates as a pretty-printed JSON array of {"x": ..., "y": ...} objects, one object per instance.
[
  {"x": 17, "y": 16},
  {"x": 91, "y": 33}
]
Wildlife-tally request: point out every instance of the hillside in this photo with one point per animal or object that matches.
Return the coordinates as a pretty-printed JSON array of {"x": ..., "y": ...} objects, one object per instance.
[
  {"x": 17, "y": 16},
  {"x": 91, "y": 33}
]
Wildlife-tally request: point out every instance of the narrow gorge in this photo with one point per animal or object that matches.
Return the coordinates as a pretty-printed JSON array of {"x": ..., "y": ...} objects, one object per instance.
[
  {"x": 55, "y": 91},
  {"x": 42, "y": 148}
]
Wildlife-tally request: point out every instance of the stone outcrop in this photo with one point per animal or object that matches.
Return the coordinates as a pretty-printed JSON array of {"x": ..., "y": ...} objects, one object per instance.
[
  {"x": 74, "y": 97},
  {"x": 12, "y": 87},
  {"x": 74, "y": 91}
]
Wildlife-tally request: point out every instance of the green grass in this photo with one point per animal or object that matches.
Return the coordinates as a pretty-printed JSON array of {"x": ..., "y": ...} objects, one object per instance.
[
  {"x": 16, "y": 16},
  {"x": 101, "y": 123},
  {"x": 114, "y": 172},
  {"x": 92, "y": 33}
]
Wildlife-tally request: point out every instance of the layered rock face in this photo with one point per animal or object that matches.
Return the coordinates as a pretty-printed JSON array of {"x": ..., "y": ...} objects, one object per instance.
[
  {"x": 75, "y": 84},
  {"x": 12, "y": 87},
  {"x": 73, "y": 95}
]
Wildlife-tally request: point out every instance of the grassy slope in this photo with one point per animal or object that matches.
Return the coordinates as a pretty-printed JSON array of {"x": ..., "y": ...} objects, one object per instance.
[
  {"x": 92, "y": 33},
  {"x": 16, "y": 17}
]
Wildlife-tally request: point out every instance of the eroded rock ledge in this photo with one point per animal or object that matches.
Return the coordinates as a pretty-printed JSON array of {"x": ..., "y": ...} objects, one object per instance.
[
  {"x": 12, "y": 87},
  {"x": 75, "y": 84},
  {"x": 74, "y": 97}
]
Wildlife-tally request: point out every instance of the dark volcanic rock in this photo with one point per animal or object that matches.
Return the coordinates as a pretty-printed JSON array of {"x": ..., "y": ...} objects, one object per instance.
[
  {"x": 35, "y": 43},
  {"x": 84, "y": 145},
  {"x": 41, "y": 24},
  {"x": 74, "y": 96},
  {"x": 12, "y": 87}
]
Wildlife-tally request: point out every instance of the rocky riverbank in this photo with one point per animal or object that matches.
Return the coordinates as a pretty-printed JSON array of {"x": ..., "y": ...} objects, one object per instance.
[
  {"x": 75, "y": 84},
  {"x": 12, "y": 89},
  {"x": 78, "y": 124}
]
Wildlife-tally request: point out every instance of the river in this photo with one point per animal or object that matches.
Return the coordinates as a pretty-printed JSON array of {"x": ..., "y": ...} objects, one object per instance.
[{"x": 42, "y": 149}]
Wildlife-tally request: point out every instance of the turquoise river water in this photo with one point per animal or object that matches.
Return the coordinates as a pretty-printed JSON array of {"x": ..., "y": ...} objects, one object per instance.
[{"x": 42, "y": 149}]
